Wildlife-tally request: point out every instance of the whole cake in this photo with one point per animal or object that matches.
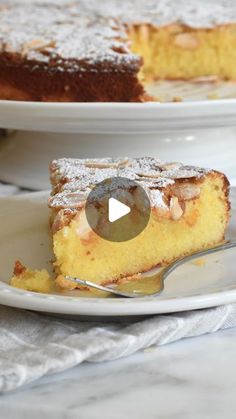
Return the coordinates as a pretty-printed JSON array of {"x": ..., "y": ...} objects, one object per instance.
[
  {"x": 189, "y": 211},
  {"x": 92, "y": 50}
]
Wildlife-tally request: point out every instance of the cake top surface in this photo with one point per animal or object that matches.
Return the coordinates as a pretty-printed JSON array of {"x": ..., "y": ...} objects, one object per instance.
[
  {"x": 68, "y": 35},
  {"x": 91, "y": 32},
  {"x": 193, "y": 13},
  {"x": 73, "y": 179}
]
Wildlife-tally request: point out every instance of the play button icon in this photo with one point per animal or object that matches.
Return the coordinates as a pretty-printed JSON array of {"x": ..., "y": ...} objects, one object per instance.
[{"x": 118, "y": 209}]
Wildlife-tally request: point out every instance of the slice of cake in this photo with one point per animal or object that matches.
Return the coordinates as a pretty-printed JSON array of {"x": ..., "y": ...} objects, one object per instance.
[
  {"x": 108, "y": 51},
  {"x": 189, "y": 212}
]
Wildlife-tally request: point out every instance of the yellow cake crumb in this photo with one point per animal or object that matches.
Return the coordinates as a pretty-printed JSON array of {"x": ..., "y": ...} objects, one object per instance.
[
  {"x": 177, "y": 51},
  {"x": 213, "y": 96},
  {"x": 199, "y": 262},
  {"x": 177, "y": 99},
  {"x": 31, "y": 280}
]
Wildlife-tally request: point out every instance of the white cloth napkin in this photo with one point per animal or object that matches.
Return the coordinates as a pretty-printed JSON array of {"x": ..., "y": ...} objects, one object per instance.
[{"x": 33, "y": 345}]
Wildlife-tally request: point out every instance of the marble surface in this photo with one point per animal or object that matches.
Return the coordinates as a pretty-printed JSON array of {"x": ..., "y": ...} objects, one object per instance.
[{"x": 193, "y": 378}]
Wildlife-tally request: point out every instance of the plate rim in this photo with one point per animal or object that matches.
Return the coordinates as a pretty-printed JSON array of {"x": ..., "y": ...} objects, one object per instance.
[
  {"x": 125, "y": 105},
  {"x": 17, "y": 298},
  {"x": 197, "y": 110}
]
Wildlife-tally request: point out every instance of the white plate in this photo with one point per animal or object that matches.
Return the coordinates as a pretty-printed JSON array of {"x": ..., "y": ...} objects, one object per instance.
[
  {"x": 24, "y": 236},
  {"x": 25, "y": 155},
  {"x": 195, "y": 112}
]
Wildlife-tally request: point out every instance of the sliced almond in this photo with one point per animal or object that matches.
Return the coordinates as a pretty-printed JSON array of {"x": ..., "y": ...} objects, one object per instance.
[
  {"x": 124, "y": 163},
  {"x": 149, "y": 174},
  {"x": 132, "y": 29},
  {"x": 144, "y": 32},
  {"x": 176, "y": 210},
  {"x": 83, "y": 228},
  {"x": 61, "y": 220},
  {"x": 171, "y": 166},
  {"x": 120, "y": 49},
  {"x": 186, "y": 191},
  {"x": 186, "y": 41},
  {"x": 96, "y": 164},
  {"x": 37, "y": 45}
]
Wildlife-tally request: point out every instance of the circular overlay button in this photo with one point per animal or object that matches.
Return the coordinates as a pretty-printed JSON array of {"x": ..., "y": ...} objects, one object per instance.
[{"x": 118, "y": 209}]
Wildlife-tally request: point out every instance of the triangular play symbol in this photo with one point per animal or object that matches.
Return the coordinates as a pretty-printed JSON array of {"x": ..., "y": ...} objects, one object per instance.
[{"x": 116, "y": 210}]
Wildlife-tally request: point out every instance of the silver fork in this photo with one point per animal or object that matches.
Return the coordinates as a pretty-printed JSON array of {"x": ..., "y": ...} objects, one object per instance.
[{"x": 161, "y": 275}]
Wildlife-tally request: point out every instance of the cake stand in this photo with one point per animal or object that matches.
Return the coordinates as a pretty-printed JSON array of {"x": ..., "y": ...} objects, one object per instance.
[{"x": 197, "y": 130}]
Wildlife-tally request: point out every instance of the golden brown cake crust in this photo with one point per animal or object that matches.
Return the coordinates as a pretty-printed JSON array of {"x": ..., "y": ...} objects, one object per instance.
[{"x": 20, "y": 83}]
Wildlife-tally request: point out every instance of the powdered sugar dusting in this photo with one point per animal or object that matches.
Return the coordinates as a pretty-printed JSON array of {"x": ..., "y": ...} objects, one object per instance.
[
  {"x": 89, "y": 33},
  {"x": 65, "y": 37},
  {"x": 192, "y": 13},
  {"x": 73, "y": 179}
]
